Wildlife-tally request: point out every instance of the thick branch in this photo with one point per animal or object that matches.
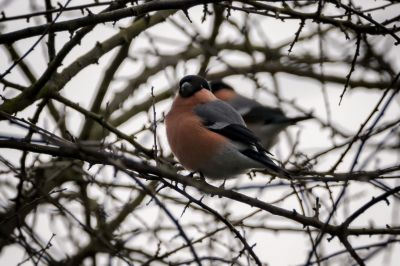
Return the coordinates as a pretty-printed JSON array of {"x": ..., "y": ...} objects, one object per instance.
[{"x": 74, "y": 24}]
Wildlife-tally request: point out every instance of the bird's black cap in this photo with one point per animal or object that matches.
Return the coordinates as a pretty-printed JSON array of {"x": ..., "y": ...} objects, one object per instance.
[
  {"x": 191, "y": 84},
  {"x": 217, "y": 85}
]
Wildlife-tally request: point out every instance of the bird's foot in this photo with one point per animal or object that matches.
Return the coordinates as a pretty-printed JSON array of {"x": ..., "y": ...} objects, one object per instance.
[
  {"x": 223, "y": 184},
  {"x": 199, "y": 177}
]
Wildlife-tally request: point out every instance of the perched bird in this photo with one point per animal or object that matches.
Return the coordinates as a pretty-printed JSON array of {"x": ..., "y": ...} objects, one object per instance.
[
  {"x": 266, "y": 122},
  {"x": 209, "y": 136}
]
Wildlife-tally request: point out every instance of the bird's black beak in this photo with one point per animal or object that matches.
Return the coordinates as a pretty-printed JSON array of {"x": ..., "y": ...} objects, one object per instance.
[{"x": 186, "y": 90}]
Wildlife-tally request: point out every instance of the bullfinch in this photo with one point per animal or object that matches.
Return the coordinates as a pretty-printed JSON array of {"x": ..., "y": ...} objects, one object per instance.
[
  {"x": 209, "y": 136},
  {"x": 266, "y": 122}
]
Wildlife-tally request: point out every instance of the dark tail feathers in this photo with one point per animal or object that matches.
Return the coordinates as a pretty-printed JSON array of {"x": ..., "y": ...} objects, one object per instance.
[
  {"x": 293, "y": 120},
  {"x": 267, "y": 162}
]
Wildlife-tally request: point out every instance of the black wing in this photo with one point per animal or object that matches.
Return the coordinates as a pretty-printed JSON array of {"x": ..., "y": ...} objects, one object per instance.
[
  {"x": 264, "y": 115},
  {"x": 221, "y": 118}
]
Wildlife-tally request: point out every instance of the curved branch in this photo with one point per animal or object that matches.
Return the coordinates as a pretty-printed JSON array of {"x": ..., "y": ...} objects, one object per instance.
[{"x": 74, "y": 24}]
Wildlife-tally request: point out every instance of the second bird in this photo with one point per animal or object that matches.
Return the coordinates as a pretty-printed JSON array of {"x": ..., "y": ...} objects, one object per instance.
[{"x": 265, "y": 122}]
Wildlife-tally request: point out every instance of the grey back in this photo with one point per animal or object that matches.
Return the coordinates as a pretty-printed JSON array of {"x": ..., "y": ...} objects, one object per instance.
[{"x": 218, "y": 112}]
